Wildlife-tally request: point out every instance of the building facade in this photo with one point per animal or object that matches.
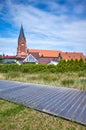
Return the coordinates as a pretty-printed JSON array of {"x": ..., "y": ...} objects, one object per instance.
[
  {"x": 37, "y": 56},
  {"x": 43, "y": 56}
]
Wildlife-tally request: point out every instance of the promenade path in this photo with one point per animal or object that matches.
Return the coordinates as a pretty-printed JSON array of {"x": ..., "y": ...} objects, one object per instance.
[{"x": 64, "y": 102}]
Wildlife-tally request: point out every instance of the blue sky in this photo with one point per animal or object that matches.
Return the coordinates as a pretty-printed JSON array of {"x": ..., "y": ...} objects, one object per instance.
[{"x": 48, "y": 24}]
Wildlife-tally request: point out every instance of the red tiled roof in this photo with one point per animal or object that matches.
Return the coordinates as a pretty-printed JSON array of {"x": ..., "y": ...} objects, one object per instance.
[
  {"x": 8, "y": 57},
  {"x": 54, "y": 53},
  {"x": 45, "y": 56},
  {"x": 72, "y": 55},
  {"x": 45, "y": 53}
]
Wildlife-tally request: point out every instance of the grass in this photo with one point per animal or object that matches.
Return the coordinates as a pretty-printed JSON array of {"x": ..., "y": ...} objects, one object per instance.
[
  {"x": 67, "y": 82},
  {"x": 17, "y": 117},
  {"x": 73, "y": 79}
]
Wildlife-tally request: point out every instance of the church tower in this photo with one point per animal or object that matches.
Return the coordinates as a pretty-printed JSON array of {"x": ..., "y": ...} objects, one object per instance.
[{"x": 22, "y": 48}]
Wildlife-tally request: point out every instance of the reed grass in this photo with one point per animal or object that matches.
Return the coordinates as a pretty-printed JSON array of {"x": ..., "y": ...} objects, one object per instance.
[{"x": 68, "y": 79}]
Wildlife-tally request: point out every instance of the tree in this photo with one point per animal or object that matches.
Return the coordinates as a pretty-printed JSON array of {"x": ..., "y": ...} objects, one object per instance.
[{"x": 1, "y": 58}]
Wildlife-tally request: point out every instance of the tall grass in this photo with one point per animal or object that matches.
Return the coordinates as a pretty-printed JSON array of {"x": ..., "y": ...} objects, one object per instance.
[
  {"x": 67, "y": 79},
  {"x": 67, "y": 82}
]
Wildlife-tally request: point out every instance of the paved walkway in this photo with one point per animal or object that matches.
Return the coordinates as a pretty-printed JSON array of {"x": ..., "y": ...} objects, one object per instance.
[{"x": 59, "y": 101}]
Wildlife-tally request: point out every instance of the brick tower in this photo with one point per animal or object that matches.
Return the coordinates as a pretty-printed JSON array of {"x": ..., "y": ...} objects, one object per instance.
[{"x": 22, "y": 48}]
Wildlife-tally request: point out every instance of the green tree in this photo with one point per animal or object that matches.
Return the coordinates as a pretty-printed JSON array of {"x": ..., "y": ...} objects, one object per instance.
[{"x": 1, "y": 58}]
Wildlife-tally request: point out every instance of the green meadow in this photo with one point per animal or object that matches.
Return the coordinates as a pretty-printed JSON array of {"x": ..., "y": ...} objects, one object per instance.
[{"x": 16, "y": 117}]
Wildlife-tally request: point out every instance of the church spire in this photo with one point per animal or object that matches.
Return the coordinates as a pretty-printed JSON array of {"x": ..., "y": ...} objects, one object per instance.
[
  {"x": 22, "y": 48},
  {"x": 21, "y": 35}
]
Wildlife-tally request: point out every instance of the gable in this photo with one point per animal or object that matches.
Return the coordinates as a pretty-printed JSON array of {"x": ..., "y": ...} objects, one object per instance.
[{"x": 30, "y": 58}]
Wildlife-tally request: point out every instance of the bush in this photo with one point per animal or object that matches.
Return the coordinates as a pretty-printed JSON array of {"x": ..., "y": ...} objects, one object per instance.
[
  {"x": 33, "y": 68},
  {"x": 51, "y": 68},
  {"x": 62, "y": 66},
  {"x": 65, "y": 66}
]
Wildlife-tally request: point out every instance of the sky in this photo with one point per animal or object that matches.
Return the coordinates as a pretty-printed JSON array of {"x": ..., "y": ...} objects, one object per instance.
[{"x": 48, "y": 24}]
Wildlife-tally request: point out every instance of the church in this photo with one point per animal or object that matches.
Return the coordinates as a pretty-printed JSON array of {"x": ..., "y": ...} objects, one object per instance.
[{"x": 41, "y": 56}]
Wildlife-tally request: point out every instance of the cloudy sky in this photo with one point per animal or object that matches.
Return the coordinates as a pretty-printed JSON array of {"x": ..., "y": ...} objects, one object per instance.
[{"x": 48, "y": 24}]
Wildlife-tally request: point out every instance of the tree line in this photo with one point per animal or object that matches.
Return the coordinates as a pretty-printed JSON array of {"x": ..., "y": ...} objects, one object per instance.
[{"x": 62, "y": 66}]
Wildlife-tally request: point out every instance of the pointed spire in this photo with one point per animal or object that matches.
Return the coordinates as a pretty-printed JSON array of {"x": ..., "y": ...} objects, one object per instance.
[{"x": 21, "y": 35}]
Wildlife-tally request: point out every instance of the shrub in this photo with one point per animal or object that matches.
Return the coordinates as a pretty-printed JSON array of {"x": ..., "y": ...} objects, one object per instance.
[
  {"x": 62, "y": 66},
  {"x": 51, "y": 68}
]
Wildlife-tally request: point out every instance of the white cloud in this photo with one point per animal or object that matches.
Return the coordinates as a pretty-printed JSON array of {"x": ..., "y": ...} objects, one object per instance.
[
  {"x": 8, "y": 46},
  {"x": 47, "y": 31}
]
